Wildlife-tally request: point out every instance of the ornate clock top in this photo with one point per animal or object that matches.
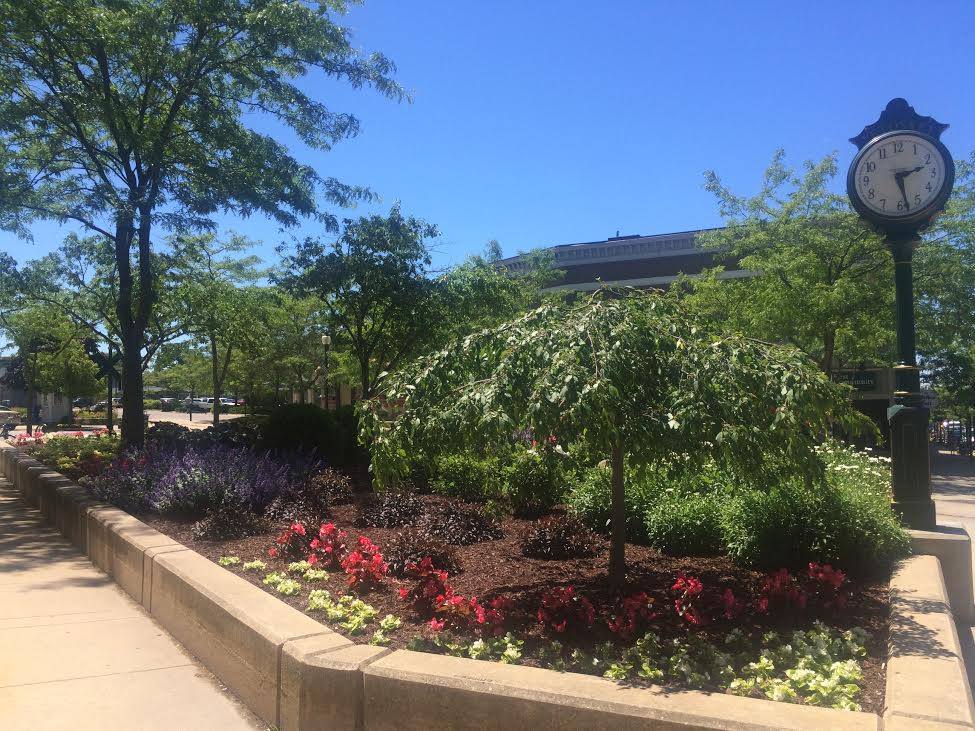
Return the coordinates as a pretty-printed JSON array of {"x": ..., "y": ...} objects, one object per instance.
[{"x": 899, "y": 115}]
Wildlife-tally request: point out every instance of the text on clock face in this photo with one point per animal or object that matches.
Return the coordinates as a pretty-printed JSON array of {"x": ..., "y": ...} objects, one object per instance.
[{"x": 900, "y": 175}]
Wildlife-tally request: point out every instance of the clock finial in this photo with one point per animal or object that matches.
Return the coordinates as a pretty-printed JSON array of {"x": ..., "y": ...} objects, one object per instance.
[{"x": 899, "y": 115}]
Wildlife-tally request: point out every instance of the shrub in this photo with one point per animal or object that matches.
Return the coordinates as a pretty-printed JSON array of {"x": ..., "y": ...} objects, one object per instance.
[
  {"x": 329, "y": 547},
  {"x": 389, "y": 509},
  {"x": 364, "y": 566},
  {"x": 685, "y": 524},
  {"x": 589, "y": 499},
  {"x": 560, "y": 537},
  {"x": 464, "y": 476},
  {"x": 77, "y": 456},
  {"x": 459, "y": 526},
  {"x": 309, "y": 501},
  {"x": 336, "y": 486},
  {"x": 836, "y": 521},
  {"x": 230, "y": 518},
  {"x": 332, "y": 434},
  {"x": 533, "y": 482},
  {"x": 563, "y": 609},
  {"x": 292, "y": 542},
  {"x": 412, "y": 546}
]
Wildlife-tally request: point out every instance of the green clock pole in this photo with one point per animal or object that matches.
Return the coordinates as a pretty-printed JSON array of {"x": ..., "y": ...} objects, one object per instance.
[
  {"x": 908, "y": 417},
  {"x": 890, "y": 147}
]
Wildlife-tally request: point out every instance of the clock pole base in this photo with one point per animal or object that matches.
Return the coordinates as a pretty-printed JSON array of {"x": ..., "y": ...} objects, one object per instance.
[
  {"x": 916, "y": 514},
  {"x": 911, "y": 464}
]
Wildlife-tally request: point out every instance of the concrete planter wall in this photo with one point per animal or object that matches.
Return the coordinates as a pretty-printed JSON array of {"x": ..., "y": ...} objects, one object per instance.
[{"x": 295, "y": 673}]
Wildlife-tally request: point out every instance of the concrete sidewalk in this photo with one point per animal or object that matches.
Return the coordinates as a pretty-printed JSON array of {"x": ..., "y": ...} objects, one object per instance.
[{"x": 76, "y": 652}]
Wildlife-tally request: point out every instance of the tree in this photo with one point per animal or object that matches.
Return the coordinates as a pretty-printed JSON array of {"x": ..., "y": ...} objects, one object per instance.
[
  {"x": 822, "y": 281},
  {"x": 629, "y": 374},
  {"x": 374, "y": 283},
  {"x": 220, "y": 310},
  {"x": 50, "y": 355},
  {"x": 125, "y": 116}
]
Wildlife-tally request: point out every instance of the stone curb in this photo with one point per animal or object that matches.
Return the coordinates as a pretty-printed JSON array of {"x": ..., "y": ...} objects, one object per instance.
[
  {"x": 926, "y": 678},
  {"x": 296, "y": 673}
]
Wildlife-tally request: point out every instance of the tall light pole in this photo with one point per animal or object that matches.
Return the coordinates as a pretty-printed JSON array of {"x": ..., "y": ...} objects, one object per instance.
[{"x": 898, "y": 182}]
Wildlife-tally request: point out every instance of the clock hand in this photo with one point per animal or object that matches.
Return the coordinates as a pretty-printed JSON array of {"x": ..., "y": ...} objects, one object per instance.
[{"x": 899, "y": 177}]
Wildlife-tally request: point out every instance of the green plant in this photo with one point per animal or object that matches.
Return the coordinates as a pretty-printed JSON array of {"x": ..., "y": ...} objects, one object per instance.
[
  {"x": 332, "y": 434},
  {"x": 255, "y": 565},
  {"x": 466, "y": 477},
  {"x": 388, "y": 509},
  {"x": 845, "y": 519},
  {"x": 459, "y": 526},
  {"x": 560, "y": 537},
  {"x": 274, "y": 578},
  {"x": 350, "y": 613},
  {"x": 412, "y": 546},
  {"x": 685, "y": 524},
  {"x": 228, "y": 560},
  {"x": 288, "y": 587},
  {"x": 387, "y": 624},
  {"x": 532, "y": 482},
  {"x": 590, "y": 499}
]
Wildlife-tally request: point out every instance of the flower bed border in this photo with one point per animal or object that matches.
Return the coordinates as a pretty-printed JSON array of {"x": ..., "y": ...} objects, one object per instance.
[{"x": 296, "y": 673}]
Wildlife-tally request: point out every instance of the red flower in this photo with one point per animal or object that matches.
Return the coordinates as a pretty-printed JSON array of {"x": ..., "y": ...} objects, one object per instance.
[
  {"x": 436, "y": 625},
  {"x": 272, "y": 552}
]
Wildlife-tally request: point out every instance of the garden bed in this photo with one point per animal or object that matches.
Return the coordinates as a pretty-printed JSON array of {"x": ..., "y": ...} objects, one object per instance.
[{"x": 497, "y": 568}]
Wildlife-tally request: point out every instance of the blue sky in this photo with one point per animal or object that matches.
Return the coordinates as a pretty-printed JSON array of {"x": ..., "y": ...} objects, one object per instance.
[{"x": 542, "y": 122}]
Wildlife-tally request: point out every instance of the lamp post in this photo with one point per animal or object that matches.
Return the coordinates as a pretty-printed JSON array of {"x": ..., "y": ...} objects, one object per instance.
[
  {"x": 326, "y": 342},
  {"x": 898, "y": 182}
]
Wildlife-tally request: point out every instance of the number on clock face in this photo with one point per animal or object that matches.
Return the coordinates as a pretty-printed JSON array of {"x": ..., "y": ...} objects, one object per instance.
[{"x": 900, "y": 175}]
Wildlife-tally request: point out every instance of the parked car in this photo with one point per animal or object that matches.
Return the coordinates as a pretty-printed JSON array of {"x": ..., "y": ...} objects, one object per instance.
[
  {"x": 82, "y": 403},
  {"x": 195, "y": 405},
  {"x": 103, "y": 405}
]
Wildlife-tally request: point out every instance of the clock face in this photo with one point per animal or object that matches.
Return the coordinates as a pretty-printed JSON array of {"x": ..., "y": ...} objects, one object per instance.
[{"x": 900, "y": 175}]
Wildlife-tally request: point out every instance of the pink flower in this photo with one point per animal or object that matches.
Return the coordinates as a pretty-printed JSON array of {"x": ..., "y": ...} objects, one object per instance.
[{"x": 436, "y": 625}]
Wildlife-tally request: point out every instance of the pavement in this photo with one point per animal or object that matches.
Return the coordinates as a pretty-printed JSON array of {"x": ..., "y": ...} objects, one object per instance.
[
  {"x": 953, "y": 490},
  {"x": 76, "y": 652}
]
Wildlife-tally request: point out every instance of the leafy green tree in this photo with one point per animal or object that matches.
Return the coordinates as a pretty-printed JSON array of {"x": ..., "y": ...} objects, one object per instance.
[
  {"x": 50, "y": 356},
  {"x": 127, "y": 116},
  {"x": 629, "y": 375},
  {"x": 823, "y": 281},
  {"x": 220, "y": 307},
  {"x": 945, "y": 272},
  {"x": 374, "y": 283}
]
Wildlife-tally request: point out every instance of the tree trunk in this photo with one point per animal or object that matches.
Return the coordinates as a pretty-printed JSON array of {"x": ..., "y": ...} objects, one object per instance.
[
  {"x": 133, "y": 424},
  {"x": 365, "y": 386},
  {"x": 829, "y": 347},
  {"x": 31, "y": 396},
  {"x": 215, "y": 372},
  {"x": 617, "y": 550}
]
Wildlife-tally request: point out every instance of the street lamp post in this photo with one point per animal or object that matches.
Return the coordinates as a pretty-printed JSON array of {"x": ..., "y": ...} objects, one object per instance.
[{"x": 898, "y": 182}]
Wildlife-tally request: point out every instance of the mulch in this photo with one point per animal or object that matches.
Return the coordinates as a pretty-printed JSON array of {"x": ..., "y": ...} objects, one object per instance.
[{"x": 497, "y": 567}]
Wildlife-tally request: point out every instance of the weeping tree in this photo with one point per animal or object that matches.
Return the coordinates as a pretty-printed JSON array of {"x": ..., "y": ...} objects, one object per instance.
[{"x": 631, "y": 375}]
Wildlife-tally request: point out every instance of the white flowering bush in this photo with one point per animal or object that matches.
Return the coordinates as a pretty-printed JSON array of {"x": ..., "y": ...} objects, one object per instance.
[{"x": 350, "y": 613}]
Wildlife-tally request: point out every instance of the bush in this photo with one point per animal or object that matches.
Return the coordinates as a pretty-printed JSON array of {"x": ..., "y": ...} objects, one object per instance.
[
  {"x": 464, "y": 476},
  {"x": 389, "y": 509},
  {"x": 685, "y": 524},
  {"x": 77, "y": 456},
  {"x": 332, "y": 434},
  {"x": 459, "y": 526},
  {"x": 412, "y": 545},
  {"x": 532, "y": 482},
  {"x": 151, "y": 403},
  {"x": 560, "y": 537},
  {"x": 845, "y": 520},
  {"x": 197, "y": 484},
  {"x": 589, "y": 500}
]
